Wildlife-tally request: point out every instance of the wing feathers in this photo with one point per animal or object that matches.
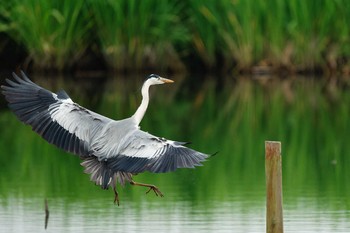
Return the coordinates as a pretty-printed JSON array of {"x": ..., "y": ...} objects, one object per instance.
[
  {"x": 62, "y": 95},
  {"x": 145, "y": 152},
  {"x": 177, "y": 157},
  {"x": 54, "y": 116}
]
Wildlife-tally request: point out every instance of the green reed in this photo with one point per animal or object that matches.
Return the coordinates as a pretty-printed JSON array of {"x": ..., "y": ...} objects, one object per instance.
[
  {"x": 297, "y": 35},
  {"x": 294, "y": 35},
  {"x": 55, "y": 34},
  {"x": 236, "y": 31},
  {"x": 139, "y": 34}
]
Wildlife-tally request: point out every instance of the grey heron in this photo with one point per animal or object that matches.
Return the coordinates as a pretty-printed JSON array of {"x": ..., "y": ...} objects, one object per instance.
[{"x": 111, "y": 150}]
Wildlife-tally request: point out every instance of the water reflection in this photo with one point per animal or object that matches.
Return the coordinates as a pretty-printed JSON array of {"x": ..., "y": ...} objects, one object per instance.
[
  {"x": 182, "y": 216},
  {"x": 226, "y": 195}
]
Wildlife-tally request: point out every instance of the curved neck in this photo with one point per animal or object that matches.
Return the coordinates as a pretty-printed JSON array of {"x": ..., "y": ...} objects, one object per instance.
[{"x": 140, "y": 112}]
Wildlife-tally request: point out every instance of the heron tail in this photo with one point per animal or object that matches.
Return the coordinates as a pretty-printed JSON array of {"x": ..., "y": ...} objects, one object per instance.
[{"x": 102, "y": 175}]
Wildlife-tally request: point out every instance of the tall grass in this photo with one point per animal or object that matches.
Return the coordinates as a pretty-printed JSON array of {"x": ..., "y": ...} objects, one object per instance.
[
  {"x": 298, "y": 35},
  {"x": 139, "y": 34},
  {"x": 226, "y": 34},
  {"x": 55, "y": 33},
  {"x": 230, "y": 29}
]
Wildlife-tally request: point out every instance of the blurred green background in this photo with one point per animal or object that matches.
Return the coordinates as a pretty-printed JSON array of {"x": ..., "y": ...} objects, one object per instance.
[{"x": 234, "y": 117}]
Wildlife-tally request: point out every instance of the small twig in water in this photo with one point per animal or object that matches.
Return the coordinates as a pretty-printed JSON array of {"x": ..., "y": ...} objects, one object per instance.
[{"x": 47, "y": 213}]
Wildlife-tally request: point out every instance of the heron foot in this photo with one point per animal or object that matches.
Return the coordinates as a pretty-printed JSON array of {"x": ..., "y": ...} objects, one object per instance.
[
  {"x": 116, "y": 196},
  {"x": 155, "y": 190},
  {"x": 150, "y": 186}
]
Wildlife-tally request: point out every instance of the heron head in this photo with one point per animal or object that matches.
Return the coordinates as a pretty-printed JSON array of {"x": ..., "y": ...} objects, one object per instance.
[{"x": 155, "y": 79}]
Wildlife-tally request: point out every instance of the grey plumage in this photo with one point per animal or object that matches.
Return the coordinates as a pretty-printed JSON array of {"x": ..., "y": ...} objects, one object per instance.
[{"x": 111, "y": 150}]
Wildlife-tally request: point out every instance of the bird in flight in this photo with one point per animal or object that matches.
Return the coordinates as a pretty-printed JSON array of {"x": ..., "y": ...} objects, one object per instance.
[{"x": 111, "y": 150}]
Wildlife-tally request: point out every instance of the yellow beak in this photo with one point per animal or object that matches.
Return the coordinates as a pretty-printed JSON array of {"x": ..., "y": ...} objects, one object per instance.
[{"x": 165, "y": 80}]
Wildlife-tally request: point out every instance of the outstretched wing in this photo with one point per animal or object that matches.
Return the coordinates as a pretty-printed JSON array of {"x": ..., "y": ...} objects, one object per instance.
[
  {"x": 141, "y": 151},
  {"x": 55, "y": 117}
]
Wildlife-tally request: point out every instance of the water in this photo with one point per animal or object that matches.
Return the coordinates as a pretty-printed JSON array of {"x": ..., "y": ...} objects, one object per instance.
[
  {"x": 23, "y": 215},
  {"x": 227, "y": 194}
]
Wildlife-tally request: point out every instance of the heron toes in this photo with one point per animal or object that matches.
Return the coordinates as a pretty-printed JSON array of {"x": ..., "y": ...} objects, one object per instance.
[
  {"x": 155, "y": 190},
  {"x": 150, "y": 186},
  {"x": 116, "y": 200}
]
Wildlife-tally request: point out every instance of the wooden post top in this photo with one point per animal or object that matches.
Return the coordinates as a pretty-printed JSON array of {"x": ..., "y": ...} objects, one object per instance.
[{"x": 272, "y": 148}]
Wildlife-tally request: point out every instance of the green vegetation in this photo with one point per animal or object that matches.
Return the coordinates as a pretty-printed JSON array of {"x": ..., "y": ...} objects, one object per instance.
[
  {"x": 298, "y": 35},
  {"x": 54, "y": 33},
  {"x": 224, "y": 34},
  {"x": 139, "y": 34}
]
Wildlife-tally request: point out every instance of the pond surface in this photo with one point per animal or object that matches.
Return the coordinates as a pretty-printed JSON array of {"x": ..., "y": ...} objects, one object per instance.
[{"x": 309, "y": 116}]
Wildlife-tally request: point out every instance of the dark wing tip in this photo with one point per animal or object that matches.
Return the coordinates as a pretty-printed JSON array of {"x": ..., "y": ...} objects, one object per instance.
[{"x": 214, "y": 154}]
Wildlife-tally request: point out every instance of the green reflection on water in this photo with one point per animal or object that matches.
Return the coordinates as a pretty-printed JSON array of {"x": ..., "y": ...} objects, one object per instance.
[{"x": 310, "y": 118}]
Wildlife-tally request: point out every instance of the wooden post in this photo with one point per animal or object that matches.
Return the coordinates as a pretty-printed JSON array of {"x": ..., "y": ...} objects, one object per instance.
[{"x": 273, "y": 173}]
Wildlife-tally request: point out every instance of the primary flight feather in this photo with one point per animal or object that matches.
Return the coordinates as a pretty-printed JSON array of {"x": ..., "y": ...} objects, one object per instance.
[{"x": 112, "y": 150}]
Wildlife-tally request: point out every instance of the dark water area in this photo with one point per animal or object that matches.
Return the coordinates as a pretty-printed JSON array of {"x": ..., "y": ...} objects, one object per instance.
[{"x": 310, "y": 116}]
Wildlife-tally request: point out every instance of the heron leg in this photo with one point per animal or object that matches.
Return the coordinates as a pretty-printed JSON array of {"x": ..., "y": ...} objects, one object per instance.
[
  {"x": 116, "y": 196},
  {"x": 150, "y": 186}
]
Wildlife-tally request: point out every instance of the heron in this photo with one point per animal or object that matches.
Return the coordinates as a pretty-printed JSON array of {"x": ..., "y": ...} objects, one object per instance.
[{"x": 112, "y": 151}]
